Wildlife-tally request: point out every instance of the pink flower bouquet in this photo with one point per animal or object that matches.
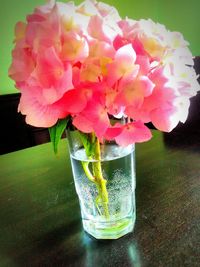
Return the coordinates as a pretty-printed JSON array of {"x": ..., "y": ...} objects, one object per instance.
[{"x": 86, "y": 65}]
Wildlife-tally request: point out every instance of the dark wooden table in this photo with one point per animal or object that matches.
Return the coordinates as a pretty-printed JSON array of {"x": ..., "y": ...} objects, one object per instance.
[{"x": 40, "y": 221}]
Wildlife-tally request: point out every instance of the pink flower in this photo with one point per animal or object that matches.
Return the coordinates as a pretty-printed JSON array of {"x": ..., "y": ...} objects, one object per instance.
[
  {"x": 50, "y": 71},
  {"x": 87, "y": 63},
  {"x": 23, "y": 62},
  {"x": 134, "y": 92},
  {"x": 38, "y": 114},
  {"x": 103, "y": 20},
  {"x": 95, "y": 116},
  {"x": 123, "y": 66},
  {"x": 75, "y": 48},
  {"x": 41, "y": 114},
  {"x": 133, "y": 132}
]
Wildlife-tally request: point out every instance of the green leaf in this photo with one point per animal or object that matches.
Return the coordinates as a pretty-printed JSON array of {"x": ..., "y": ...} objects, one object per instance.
[
  {"x": 88, "y": 141},
  {"x": 56, "y": 132}
]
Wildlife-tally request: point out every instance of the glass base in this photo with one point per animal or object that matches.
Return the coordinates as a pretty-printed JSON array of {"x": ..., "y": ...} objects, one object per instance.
[{"x": 109, "y": 229}]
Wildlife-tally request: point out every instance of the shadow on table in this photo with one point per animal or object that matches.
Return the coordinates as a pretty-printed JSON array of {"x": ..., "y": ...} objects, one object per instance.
[
  {"x": 71, "y": 246},
  {"x": 184, "y": 138}
]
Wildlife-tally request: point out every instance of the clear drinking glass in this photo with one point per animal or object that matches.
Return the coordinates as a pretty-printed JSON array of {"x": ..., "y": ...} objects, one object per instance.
[{"x": 117, "y": 165}]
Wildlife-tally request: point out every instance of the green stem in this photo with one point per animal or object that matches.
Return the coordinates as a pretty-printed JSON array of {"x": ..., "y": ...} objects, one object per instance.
[
  {"x": 93, "y": 151},
  {"x": 86, "y": 169},
  {"x": 99, "y": 180}
]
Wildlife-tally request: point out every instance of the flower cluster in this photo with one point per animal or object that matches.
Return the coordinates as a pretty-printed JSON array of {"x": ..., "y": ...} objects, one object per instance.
[{"x": 87, "y": 63}]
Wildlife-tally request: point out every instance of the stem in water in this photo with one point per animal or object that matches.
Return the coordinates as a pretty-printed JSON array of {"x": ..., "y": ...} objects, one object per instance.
[{"x": 93, "y": 151}]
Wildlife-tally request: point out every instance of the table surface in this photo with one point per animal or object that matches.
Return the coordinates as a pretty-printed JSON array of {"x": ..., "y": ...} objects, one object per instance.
[{"x": 40, "y": 222}]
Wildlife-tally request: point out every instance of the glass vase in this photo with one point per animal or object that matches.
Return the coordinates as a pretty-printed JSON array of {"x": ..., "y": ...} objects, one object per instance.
[{"x": 105, "y": 185}]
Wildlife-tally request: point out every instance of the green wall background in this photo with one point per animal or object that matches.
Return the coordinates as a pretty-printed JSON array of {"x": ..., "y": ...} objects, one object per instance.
[{"x": 176, "y": 15}]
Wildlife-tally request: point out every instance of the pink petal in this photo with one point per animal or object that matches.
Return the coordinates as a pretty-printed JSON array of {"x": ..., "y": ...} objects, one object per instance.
[
  {"x": 110, "y": 100},
  {"x": 145, "y": 85},
  {"x": 76, "y": 76},
  {"x": 90, "y": 71},
  {"x": 100, "y": 122},
  {"x": 53, "y": 93},
  {"x": 95, "y": 29},
  {"x": 75, "y": 48},
  {"x": 103, "y": 29},
  {"x": 133, "y": 92},
  {"x": 73, "y": 101},
  {"x": 22, "y": 65},
  {"x": 164, "y": 119},
  {"x": 139, "y": 48},
  {"x": 112, "y": 132},
  {"x": 43, "y": 31},
  {"x": 97, "y": 114},
  {"x": 82, "y": 124},
  {"x": 20, "y": 30},
  {"x": 158, "y": 77},
  {"x": 101, "y": 49},
  {"x": 37, "y": 114},
  {"x": 135, "y": 132},
  {"x": 41, "y": 114},
  {"x": 160, "y": 97},
  {"x": 35, "y": 18},
  {"x": 123, "y": 65},
  {"x": 94, "y": 118},
  {"x": 126, "y": 55},
  {"x": 136, "y": 113},
  {"x": 144, "y": 63},
  {"x": 119, "y": 42},
  {"x": 130, "y": 95},
  {"x": 49, "y": 68}
]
